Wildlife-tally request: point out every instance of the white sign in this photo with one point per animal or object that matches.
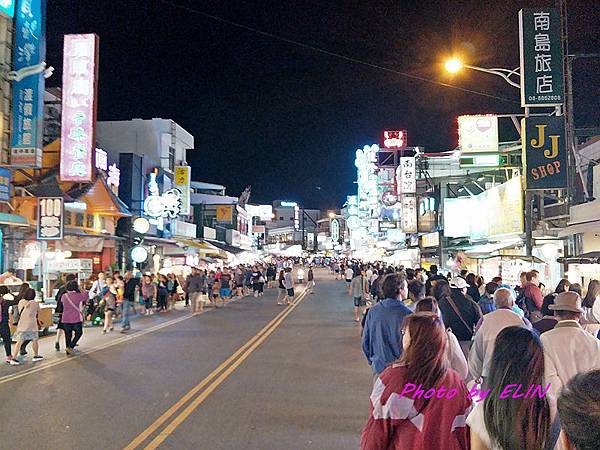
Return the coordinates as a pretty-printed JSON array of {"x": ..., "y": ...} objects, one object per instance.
[
  {"x": 160, "y": 206},
  {"x": 409, "y": 214},
  {"x": 182, "y": 181},
  {"x": 101, "y": 159},
  {"x": 72, "y": 265},
  {"x": 210, "y": 233},
  {"x": 478, "y": 134},
  {"x": 184, "y": 229},
  {"x": 353, "y": 222},
  {"x": 139, "y": 254},
  {"x": 114, "y": 176},
  {"x": 263, "y": 212},
  {"x": 406, "y": 175},
  {"x": 335, "y": 230},
  {"x": 430, "y": 240},
  {"x": 50, "y": 218}
]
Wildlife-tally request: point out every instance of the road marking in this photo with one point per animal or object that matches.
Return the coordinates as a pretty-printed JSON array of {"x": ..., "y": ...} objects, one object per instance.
[{"x": 243, "y": 353}]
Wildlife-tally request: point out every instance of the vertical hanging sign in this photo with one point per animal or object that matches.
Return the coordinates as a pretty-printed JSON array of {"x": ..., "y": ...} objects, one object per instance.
[
  {"x": 541, "y": 57},
  {"x": 183, "y": 178},
  {"x": 80, "y": 82},
  {"x": 406, "y": 175},
  {"x": 409, "y": 214},
  {"x": 50, "y": 218},
  {"x": 7, "y": 7},
  {"x": 28, "y": 83}
]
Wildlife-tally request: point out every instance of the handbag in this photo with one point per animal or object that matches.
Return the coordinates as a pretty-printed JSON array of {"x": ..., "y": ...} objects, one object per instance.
[{"x": 17, "y": 315}]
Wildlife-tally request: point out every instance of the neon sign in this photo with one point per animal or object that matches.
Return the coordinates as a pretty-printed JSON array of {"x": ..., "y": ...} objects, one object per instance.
[
  {"x": 161, "y": 206},
  {"x": 394, "y": 139}
]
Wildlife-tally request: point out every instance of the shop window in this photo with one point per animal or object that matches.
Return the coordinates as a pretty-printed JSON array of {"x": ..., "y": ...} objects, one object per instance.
[
  {"x": 79, "y": 220},
  {"x": 172, "y": 159},
  {"x": 68, "y": 218},
  {"x": 280, "y": 218},
  {"x": 89, "y": 221}
]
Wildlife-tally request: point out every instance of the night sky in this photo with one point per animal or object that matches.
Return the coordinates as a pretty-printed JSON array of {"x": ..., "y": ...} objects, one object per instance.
[{"x": 287, "y": 119}]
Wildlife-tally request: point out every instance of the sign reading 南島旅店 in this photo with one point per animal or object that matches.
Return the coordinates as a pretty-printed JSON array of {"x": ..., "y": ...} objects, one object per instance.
[
  {"x": 544, "y": 152},
  {"x": 541, "y": 57}
]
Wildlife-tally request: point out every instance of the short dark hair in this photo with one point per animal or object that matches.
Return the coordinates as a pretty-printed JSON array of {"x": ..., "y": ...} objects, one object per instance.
[
  {"x": 393, "y": 283},
  {"x": 531, "y": 275},
  {"x": 71, "y": 277},
  {"x": 72, "y": 286},
  {"x": 578, "y": 409},
  {"x": 29, "y": 294},
  {"x": 433, "y": 268},
  {"x": 491, "y": 287}
]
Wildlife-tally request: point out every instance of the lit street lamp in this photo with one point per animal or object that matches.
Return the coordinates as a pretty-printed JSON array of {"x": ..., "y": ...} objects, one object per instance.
[{"x": 454, "y": 65}]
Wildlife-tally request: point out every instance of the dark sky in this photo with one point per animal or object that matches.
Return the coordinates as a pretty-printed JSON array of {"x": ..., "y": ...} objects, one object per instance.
[{"x": 287, "y": 119}]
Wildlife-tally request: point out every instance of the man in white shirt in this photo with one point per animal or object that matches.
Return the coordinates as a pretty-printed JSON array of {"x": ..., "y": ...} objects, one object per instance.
[
  {"x": 480, "y": 355},
  {"x": 349, "y": 274},
  {"x": 288, "y": 282},
  {"x": 568, "y": 348}
]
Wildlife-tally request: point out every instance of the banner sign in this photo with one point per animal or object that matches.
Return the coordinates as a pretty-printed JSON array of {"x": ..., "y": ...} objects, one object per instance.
[
  {"x": 80, "y": 82},
  {"x": 7, "y": 7},
  {"x": 406, "y": 175},
  {"x": 28, "y": 83},
  {"x": 478, "y": 134},
  {"x": 544, "y": 152},
  {"x": 5, "y": 176},
  {"x": 50, "y": 218},
  {"x": 541, "y": 57},
  {"x": 183, "y": 179},
  {"x": 409, "y": 214}
]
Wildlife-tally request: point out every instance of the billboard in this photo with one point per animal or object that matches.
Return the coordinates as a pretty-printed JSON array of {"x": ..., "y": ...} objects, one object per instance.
[
  {"x": 478, "y": 134},
  {"x": 394, "y": 139},
  {"x": 182, "y": 181},
  {"x": 224, "y": 213},
  {"x": 50, "y": 215},
  {"x": 263, "y": 212},
  {"x": 541, "y": 55},
  {"x": 29, "y": 62},
  {"x": 544, "y": 152},
  {"x": 80, "y": 82}
]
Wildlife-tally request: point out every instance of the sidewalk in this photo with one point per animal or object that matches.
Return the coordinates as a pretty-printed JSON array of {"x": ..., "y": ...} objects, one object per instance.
[{"x": 94, "y": 339}]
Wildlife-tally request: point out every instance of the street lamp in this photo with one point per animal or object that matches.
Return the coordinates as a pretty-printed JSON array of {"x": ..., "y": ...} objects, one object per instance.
[
  {"x": 332, "y": 215},
  {"x": 454, "y": 65}
]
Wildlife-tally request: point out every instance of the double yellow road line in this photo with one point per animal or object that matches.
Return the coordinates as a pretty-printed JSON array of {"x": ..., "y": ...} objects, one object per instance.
[{"x": 202, "y": 390}]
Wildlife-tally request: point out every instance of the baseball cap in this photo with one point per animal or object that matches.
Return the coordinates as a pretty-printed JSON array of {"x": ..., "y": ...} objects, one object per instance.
[{"x": 458, "y": 283}]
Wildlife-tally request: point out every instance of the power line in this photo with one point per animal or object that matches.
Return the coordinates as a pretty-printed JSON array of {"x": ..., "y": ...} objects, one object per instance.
[{"x": 333, "y": 54}]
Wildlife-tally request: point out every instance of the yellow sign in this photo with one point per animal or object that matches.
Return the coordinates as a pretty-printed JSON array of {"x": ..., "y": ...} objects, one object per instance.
[
  {"x": 182, "y": 175},
  {"x": 224, "y": 214}
]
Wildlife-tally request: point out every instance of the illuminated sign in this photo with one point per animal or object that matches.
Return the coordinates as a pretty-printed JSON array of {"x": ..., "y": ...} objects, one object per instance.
[
  {"x": 182, "y": 181},
  {"x": 544, "y": 152},
  {"x": 141, "y": 225},
  {"x": 50, "y": 218},
  {"x": 139, "y": 254},
  {"x": 407, "y": 176},
  {"x": 7, "y": 7},
  {"x": 296, "y": 218},
  {"x": 430, "y": 240},
  {"x": 28, "y": 85},
  {"x": 101, "y": 159},
  {"x": 224, "y": 214},
  {"x": 289, "y": 204},
  {"x": 335, "y": 230},
  {"x": 114, "y": 176},
  {"x": 80, "y": 76},
  {"x": 5, "y": 176},
  {"x": 478, "y": 134},
  {"x": 263, "y": 212},
  {"x": 409, "y": 214},
  {"x": 161, "y": 206},
  {"x": 394, "y": 139},
  {"x": 78, "y": 206}
]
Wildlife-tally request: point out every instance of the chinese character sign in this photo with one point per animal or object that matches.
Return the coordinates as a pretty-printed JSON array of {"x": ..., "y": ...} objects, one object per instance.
[
  {"x": 394, "y": 139},
  {"x": 4, "y": 184},
  {"x": 478, "y": 134},
  {"x": 409, "y": 214},
  {"x": 7, "y": 7},
  {"x": 50, "y": 218},
  {"x": 406, "y": 175},
  {"x": 544, "y": 152},
  {"x": 183, "y": 177},
  {"x": 541, "y": 57},
  {"x": 80, "y": 74},
  {"x": 28, "y": 86}
]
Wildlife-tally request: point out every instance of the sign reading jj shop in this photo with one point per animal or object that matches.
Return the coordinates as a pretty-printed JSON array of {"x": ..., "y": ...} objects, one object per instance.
[{"x": 544, "y": 152}]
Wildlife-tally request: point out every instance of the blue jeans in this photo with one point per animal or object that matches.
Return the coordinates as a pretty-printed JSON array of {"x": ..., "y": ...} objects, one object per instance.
[{"x": 125, "y": 307}]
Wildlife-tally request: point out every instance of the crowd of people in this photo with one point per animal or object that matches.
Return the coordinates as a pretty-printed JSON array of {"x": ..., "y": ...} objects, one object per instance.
[
  {"x": 459, "y": 363},
  {"x": 108, "y": 297}
]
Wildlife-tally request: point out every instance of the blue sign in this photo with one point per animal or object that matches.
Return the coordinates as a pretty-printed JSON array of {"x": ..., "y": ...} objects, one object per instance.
[
  {"x": 7, "y": 7},
  {"x": 4, "y": 184},
  {"x": 28, "y": 83}
]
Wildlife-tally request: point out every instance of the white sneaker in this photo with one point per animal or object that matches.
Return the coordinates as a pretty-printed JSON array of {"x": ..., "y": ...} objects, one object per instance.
[{"x": 14, "y": 362}]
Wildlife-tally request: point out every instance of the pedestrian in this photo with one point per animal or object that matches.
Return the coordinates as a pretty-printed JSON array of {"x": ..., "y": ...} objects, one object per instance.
[
  {"x": 349, "y": 275},
  {"x": 195, "y": 287},
  {"x": 238, "y": 279},
  {"x": 162, "y": 293},
  {"x": 454, "y": 354},
  {"x": 148, "y": 294},
  {"x": 282, "y": 294},
  {"x": 576, "y": 287},
  {"x": 591, "y": 306},
  {"x": 95, "y": 293},
  {"x": 172, "y": 288},
  {"x": 515, "y": 422},
  {"x": 359, "y": 288},
  {"x": 23, "y": 289},
  {"x": 26, "y": 320},
  {"x": 7, "y": 300},
  {"x": 131, "y": 290},
  {"x": 256, "y": 276},
  {"x": 433, "y": 277},
  {"x": 473, "y": 287},
  {"x": 486, "y": 301},
  {"x": 579, "y": 412},
  {"x": 402, "y": 418},
  {"x": 459, "y": 312},
  {"x": 270, "y": 275},
  {"x": 382, "y": 335},
  {"x": 310, "y": 286},
  {"x": 110, "y": 304},
  {"x": 225, "y": 280},
  {"x": 73, "y": 304},
  {"x": 480, "y": 355},
  {"x": 288, "y": 281},
  {"x": 568, "y": 348},
  {"x": 532, "y": 296}
]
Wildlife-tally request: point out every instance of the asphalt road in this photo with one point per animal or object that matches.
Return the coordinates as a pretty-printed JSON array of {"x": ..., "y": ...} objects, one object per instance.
[{"x": 252, "y": 375}]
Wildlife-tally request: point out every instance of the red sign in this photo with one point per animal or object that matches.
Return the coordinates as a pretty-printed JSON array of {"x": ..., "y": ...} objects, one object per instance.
[
  {"x": 80, "y": 76},
  {"x": 394, "y": 139}
]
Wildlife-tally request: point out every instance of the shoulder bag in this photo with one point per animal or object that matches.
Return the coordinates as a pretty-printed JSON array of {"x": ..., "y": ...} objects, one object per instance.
[
  {"x": 17, "y": 314},
  {"x": 457, "y": 312},
  {"x": 73, "y": 305}
]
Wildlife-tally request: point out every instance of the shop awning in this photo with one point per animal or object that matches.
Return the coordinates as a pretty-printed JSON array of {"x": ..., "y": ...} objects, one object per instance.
[
  {"x": 100, "y": 199},
  {"x": 227, "y": 247},
  {"x": 533, "y": 259},
  {"x": 13, "y": 220},
  {"x": 482, "y": 251},
  {"x": 584, "y": 258},
  {"x": 202, "y": 246},
  {"x": 580, "y": 228}
]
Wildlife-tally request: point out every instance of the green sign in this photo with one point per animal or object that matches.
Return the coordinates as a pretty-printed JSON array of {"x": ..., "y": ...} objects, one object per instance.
[
  {"x": 544, "y": 152},
  {"x": 541, "y": 57},
  {"x": 7, "y": 7}
]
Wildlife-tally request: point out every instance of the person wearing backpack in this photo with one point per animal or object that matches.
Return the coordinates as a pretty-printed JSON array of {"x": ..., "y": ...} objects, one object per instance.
[
  {"x": 532, "y": 296},
  {"x": 25, "y": 317}
]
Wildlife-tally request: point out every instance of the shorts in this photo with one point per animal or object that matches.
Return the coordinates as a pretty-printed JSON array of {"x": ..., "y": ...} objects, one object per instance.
[
  {"x": 337, "y": 270},
  {"x": 359, "y": 301},
  {"x": 290, "y": 292},
  {"x": 225, "y": 292},
  {"x": 26, "y": 335},
  {"x": 348, "y": 281}
]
